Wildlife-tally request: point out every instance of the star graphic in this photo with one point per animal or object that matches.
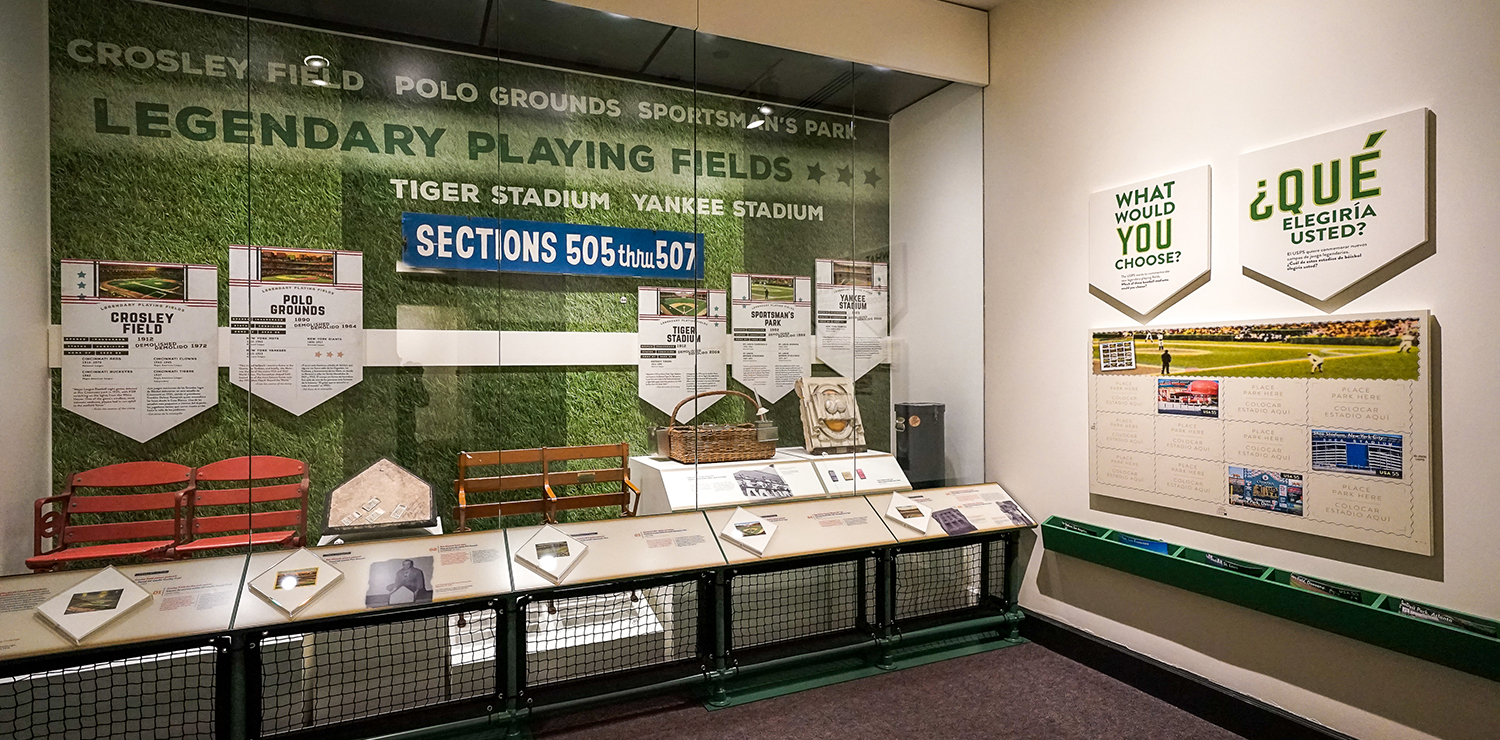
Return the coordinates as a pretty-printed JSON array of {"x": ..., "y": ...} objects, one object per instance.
[
  {"x": 81, "y": 275},
  {"x": 846, "y": 176},
  {"x": 814, "y": 172},
  {"x": 871, "y": 178},
  {"x": 317, "y": 354},
  {"x": 341, "y": 354},
  {"x": 80, "y": 285}
]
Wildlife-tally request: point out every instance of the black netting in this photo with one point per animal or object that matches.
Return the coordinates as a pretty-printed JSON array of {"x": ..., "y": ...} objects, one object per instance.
[
  {"x": 342, "y": 675},
  {"x": 587, "y": 636},
  {"x": 937, "y": 581},
  {"x": 164, "y": 695},
  {"x": 999, "y": 583},
  {"x": 792, "y": 604}
]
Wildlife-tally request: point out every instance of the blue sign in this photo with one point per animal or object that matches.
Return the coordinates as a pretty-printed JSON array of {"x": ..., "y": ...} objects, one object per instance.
[{"x": 465, "y": 243}]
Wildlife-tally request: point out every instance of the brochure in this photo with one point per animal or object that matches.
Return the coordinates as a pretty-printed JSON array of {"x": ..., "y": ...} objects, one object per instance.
[
  {"x": 749, "y": 531},
  {"x": 551, "y": 553},
  {"x": 908, "y": 513}
]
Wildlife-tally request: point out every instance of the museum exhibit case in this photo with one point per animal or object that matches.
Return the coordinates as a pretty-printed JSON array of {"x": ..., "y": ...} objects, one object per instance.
[{"x": 366, "y": 329}]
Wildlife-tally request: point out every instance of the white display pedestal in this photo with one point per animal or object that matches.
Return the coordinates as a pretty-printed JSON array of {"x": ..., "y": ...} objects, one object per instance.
[{"x": 668, "y": 486}]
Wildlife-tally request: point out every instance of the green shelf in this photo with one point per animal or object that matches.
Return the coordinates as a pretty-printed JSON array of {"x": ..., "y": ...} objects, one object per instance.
[{"x": 1368, "y": 616}]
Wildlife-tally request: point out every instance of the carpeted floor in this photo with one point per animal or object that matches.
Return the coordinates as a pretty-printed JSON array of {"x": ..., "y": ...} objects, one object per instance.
[{"x": 1020, "y": 692}]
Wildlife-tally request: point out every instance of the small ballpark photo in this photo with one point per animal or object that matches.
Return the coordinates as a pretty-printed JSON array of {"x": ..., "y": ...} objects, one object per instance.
[
  {"x": 848, "y": 272},
  {"x": 141, "y": 282},
  {"x": 94, "y": 601},
  {"x": 291, "y": 266},
  {"x": 1187, "y": 397},
  {"x": 287, "y": 580},
  {"x": 766, "y": 288},
  {"x": 1373, "y": 349},
  {"x": 551, "y": 550},
  {"x": 909, "y": 512},
  {"x": 402, "y": 581},
  {"x": 750, "y": 529},
  {"x": 682, "y": 302},
  {"x": 1266, "y": 490},
  {"x": 1360, "y": 453}
]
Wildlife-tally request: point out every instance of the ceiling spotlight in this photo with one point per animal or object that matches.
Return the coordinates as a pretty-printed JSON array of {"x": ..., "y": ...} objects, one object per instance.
[
  {"x": 315, "y": 61},
  {"x": 765, "y": 110},
  {"x": 756, "y": 123}
]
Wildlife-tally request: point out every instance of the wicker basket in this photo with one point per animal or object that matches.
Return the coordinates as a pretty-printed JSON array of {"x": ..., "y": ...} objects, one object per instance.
[{"x": 710, "y": 443}]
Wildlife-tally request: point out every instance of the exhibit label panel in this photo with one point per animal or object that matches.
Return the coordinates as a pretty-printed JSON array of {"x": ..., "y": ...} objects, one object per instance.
[
  {"x": 772, "y": 332},
  {"x": 1319, "y": 425},
  {"x": 140, "y": 343},
  {"x": 1149, "y": 241},
  {"x": 296, "y": 319},
  {"x": 853, "y": 313},
  {"x": 683, "y": 336},
  {"x": 1320, "y": 214}
]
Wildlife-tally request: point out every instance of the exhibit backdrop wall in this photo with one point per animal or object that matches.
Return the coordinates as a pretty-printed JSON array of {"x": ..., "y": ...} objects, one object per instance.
[
  {"x": 1086, "y": 96},
  {"x": 154, "y": 163}
]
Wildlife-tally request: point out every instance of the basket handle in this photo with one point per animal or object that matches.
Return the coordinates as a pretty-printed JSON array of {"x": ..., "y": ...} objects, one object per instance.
[{"x": 673, "y": 419}]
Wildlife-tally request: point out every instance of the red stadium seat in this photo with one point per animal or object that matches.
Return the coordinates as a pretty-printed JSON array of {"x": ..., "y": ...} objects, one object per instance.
[
  {"x": 245, "y": 509},
  {"x": 70, "y": 519}
]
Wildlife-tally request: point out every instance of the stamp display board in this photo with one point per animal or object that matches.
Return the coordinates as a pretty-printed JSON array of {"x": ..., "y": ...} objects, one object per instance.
[
  {"x": 627, "y": 547},
  {"x": 1320, "y": 425},
  {"x": 810, "y": 527},
  {"x": 979, "y": 504}
]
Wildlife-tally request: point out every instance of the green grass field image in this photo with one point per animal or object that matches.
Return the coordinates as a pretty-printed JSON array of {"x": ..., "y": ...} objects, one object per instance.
[
  {"x": 680, "y": 305},
  {"x": 146, "y": 288},
  {"x": 1275, "y": 360},
  {"x": 771, "y": 291}
]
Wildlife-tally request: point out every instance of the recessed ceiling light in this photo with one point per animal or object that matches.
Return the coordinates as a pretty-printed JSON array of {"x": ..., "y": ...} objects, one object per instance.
[
  {"x": 319, "y": 83},
  {"x": 757, "y": 123},
  {"x": 315, "y": 61},
  {"x": 765, "y": 110}
]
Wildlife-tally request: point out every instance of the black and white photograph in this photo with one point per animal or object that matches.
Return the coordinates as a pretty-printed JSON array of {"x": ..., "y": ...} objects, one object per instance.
[{"x": 402, "y": 581}]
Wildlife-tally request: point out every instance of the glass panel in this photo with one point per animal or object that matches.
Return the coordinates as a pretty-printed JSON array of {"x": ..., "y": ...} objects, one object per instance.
[{"x": 148, "y": 189}]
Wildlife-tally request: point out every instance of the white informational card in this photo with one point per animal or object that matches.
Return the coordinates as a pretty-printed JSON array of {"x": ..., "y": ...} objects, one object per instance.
[
  {"x": 772, "y": 332},
  {"x": 296, "y": 322},
  {"x": 100, "y": 599},
  {"x": 749, "y": 531},
  {"x": 683, "y": 335},
  {"x": 909, "y": 513},
  {"x": 140, "y": 343},
  {"x": 551, "y": 553},
  {"x": 1149, "y": 241},
  {"x": 295, "y": 581},
  {"x": 1320, "y": 214},
  {"x": 853, "y": 312}
]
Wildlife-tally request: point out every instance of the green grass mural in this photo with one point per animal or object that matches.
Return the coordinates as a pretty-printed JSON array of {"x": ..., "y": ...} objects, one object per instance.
[{"x": 175, "y": 134}]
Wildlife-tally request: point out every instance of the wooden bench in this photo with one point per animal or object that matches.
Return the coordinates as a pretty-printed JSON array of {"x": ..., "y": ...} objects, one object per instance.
[
  {"x": 546, "y": 479},
  {"x": 257, "y": 481},
  {"x": 126, "y": 490}
]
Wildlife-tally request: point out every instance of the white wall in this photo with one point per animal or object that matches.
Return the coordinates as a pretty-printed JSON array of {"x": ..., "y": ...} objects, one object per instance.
[
  {"x": 25, "y": 440},
  {"x": 937, "y": 267},
  {"x": 1093, "y": 93}
]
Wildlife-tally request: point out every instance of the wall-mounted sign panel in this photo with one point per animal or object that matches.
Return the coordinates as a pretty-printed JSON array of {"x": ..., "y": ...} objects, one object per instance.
[
  {"x": 853, "y": 315},
  {"x": 140, "y": 343},
  {"x": 684, "y": 339},
  {"x": 296, "y": 323},
  {"x": 772, "y": 332},
  {"x": 441, "y": 242},
  {"x": 1318, "y": 425},
  {"x": 1149, "y": 241},
  {"x": 1320, "y": 214}
]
